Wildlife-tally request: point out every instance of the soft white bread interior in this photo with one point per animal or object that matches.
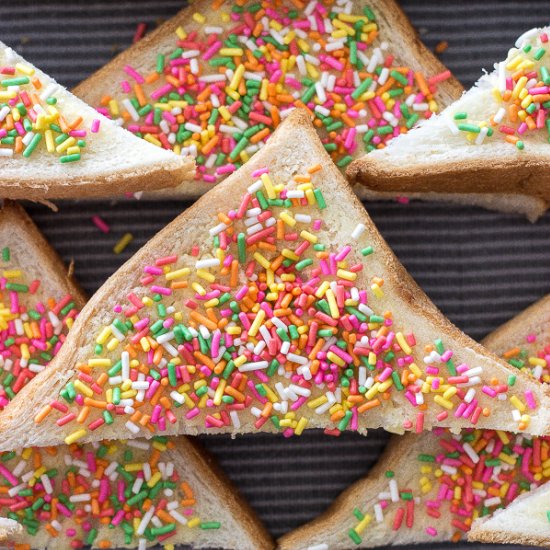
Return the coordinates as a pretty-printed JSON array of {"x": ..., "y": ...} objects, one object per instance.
[
  {"x": 112, "y": 162},
  {"x": 394, "y": 31},
  {"x": 524, "y": 521},
  {"x": 9, "y": 528},
  {"x": 293, "y": 150},
  {"x": 206, "y": 511},
  {"x": 436, "y": 157},
  {"x": 331, "y": 529}
]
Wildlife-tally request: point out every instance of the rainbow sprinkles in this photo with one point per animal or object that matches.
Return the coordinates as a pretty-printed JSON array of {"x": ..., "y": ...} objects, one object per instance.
[
  {"x": 459, "y": 478},
  {"x": 31, "y": 330},
  {"x": 231, "y": 78},
  {"x": 517, "y": 93},
  {"x": 134, "y": 493},
  {"x": 30, "y": 114},
  {"x": 269, "y": 327}
]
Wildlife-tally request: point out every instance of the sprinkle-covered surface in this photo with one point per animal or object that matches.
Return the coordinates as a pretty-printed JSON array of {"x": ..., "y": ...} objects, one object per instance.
[
  {"x": 31, "y": 329},
  {"x": 135, "y": 493},
  {"x": 270, "y": 324},
  {"x": 290, "y": 481},
  {"x": 519, "y": 97},
  {"x": 30, "y": 118},
  {"x": 228, "y": 79},
  {"x": 458, "y": 478}
]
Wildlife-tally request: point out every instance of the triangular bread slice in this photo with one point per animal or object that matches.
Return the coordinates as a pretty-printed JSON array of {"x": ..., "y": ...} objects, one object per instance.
[
  {"x": 344, "y": 356},
  {"x": 39, "y": 300},
  {"x": 442, "y": 155},
  {"x": 116, "y": 494},
  {"x": 523, "y": 337},
  {"x": 524, "y": 521},
  {"x": 395, "y": 37},
  {"x": 90, "y": 155}
]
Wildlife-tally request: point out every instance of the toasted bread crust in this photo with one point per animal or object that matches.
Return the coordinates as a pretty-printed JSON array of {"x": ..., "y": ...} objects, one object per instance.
[{"x": 41, "y": 252}]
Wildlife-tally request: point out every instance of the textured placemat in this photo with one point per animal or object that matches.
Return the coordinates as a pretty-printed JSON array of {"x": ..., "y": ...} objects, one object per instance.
[{"x": 480, "y": 268}]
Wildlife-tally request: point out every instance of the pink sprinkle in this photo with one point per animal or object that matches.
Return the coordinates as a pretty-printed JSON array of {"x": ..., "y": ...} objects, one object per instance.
[
  {"x": 431, "y": 531},
  {"x": 531, "y": 403},
  {"x": 531, "y": 338},
  {"x": 130, "y": 71},
  {"x": 100, "y": 224}
]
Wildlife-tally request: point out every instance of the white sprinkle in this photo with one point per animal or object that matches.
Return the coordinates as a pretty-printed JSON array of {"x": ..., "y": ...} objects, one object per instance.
[
  {"x": 322, "y": 546},
  {"x": 125, "y": 359},
  {"x": 46, "y": 484},
  {"x": 297, "y": 358},
  {"x": 256, "y": 186},
  {"x": 499, "y": 115},
  {"x": 394, "y": 493},
  {"x": 208, "y": 263},
  {"x": 84, "y": 497},
  {"x": 131, "y": 109},
  {"x": 132, "y": 427},
  {"x": 217, "y": 229},
  {"x": 494, "y": 501},
  {"x": 358, "y": 231},
  {"x": 471, "y": 453},
  {"x": 192, "y": 127},
  {"x": 235, "y": 419},
  {"x": 190, "y": 53},
  {"x": 145, "y": 521},
  {"x": 470, "y": 394},
  {"x": 255, "y": 365},
  {"x": 481, "y": 136},
  {"x": 378, "y": 514},
  {"x": 6, "y": 152},
  {"x": 320, "y": 92}
]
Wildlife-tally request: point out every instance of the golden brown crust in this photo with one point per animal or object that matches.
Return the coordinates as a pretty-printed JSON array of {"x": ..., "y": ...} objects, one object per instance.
[
  {"x": 40, "y": 251},
  {"x": 502, "y": 537},
  {"x": 115, "y": 184},
  {"x": 217, "y": 480},
  {"x": 526, "y": 175}
]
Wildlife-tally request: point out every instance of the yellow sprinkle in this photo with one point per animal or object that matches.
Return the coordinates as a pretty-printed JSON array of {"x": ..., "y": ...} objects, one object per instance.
[
  {"x": 75, "y": 436},
  {"x": 377, "y": 291},
  {"x": 443, "y": 402},
  {"x": 241, "y": 360},
  {"x": 333, "y": 306},
  {"x": 103, "y": 335},
  {"x": 231, "y": 52},
  {"x": 100, "y": 363},
  {"x": 155, "y": 478},
  {"x": 403, "y": 343},
  {"x": 224, "y": 112},
  {"x": 363, "y": 524},
  {"x": 123, "y": 243},
  {"x": 255, "y": 327},
  {"x": 322, "y": 289},
  {"x": 268, "y": 184},
  {"x": 314, "y": 403},
  {"x": 507, "y": 458},
  {"x": 514, "y": 399},
  {"x": 262, "y": 260},
  {"x": 207, "y": 276},
  {"x": 450, "y": 392},
  {"x": 287, "y": 218},
  {"x": 287, "y": 253},
  {"x": 371, "y": 394},
  {"x": 335, "y": 359},
  {"x": 83, "y": 388},
  {"x": 537, "y": 361},
  {"x": 66, "y": 144},
  {"x": 302, "y": 423},
  {"x": 347, "y": 275}
]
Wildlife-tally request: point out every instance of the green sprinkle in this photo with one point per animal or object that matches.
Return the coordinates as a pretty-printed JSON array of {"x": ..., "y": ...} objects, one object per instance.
[
  {"x": 303, "y": 264},
  {"x": 210, "y": 525},
  {"x": 539, "y": 54},
  {"x": 19, "y": 81},
  {"x": 362, "y": 88},
  {"x": 320, "y": 199},
  {"x": 32, "y": 145},
  {"x": 461, "y": 116},
  {"x": 367, "y": 251},
  {"x": 469, "y": 128},
  {"x": 70, "y": 158},
  {"x": 6, "y": 255},
  {"x": 354, "y": 536},
  {"x": 520, "y": 145},
  {"x": 389, "y": 473}
]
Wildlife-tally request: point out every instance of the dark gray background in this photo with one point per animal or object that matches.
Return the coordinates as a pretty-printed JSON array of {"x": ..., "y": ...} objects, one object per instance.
[{"x": 479, "y": 267}]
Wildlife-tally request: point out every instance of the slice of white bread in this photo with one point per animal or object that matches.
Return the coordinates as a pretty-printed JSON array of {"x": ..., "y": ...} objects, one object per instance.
[
  {"x": 529, "y": 332},
  {"x": 394, "y": 30},
  {"x": 438, "y": 157},
  {"x": 39, "y": 309},
  {"x": 524, "y": 521},
  {"x": 112, "y": 161},
  {"x": 320, "y": 389},
  {"x": 100, "y": 487}
]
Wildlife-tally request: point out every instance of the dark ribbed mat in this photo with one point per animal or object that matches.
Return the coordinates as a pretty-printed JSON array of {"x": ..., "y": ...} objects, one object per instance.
[{"x": 479, "y": 267}]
